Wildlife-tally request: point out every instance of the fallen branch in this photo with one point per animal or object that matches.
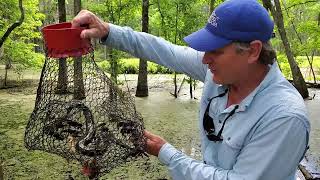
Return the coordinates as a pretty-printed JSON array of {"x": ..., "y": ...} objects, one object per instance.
[{"x": 305, "y": 173}]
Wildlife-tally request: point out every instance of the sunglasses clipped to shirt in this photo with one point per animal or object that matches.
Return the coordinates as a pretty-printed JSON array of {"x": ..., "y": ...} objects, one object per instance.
[{"x": 208, "y": 121}]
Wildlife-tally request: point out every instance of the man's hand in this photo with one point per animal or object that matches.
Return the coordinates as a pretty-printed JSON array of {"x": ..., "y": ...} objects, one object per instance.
[
  {"x": 96, "y": 27},
  {"x": 154, "y": 143}
]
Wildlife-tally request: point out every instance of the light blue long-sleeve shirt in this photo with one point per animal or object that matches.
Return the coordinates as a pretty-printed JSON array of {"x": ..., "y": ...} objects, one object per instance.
[{"x": 264, "y": 140}]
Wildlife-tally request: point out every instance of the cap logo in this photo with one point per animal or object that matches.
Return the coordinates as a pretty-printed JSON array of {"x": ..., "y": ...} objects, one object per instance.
[{"x": 213, "y": 19}]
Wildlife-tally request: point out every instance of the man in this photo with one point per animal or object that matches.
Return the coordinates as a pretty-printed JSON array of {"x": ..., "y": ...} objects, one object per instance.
[{"x": 253, "y": 123}]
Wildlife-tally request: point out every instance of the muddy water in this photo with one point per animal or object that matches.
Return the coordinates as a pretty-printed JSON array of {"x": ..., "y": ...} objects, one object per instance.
[
  {"x": 176, "y": 121},
  {"x": 313, "y": 155}
]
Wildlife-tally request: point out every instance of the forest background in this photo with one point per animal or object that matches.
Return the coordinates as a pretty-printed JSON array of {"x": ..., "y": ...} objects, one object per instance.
[{"x": 297, "y": 33}]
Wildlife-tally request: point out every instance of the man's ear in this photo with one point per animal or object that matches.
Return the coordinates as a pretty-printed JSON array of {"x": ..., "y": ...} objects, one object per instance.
[{"x": 255, "y": 49}]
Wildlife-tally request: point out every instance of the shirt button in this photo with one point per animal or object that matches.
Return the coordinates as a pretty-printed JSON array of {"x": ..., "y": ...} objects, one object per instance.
[
  {"x": 220, "y": 121},
  {"x": 229, "y": 138}
]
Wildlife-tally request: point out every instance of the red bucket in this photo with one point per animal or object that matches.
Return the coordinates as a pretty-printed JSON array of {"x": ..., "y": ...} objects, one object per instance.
[{"x": 62, "y": 41}]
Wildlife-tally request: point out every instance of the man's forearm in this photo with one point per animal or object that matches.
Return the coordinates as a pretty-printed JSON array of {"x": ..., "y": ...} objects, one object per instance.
[{"x": 158, "y": 50}]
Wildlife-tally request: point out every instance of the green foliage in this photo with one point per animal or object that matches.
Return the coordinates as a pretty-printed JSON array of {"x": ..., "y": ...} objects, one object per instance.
[
  {"x": 124, "y": 12},
  {"x": 22, "y": 53},
  {"x": 175, "y": 19},
  {"x": 302, "y": 26},
  {"x": 170, "y": 19},
  {"x": 19, "y": 47},
  {"x": 131, "y": 66},
  {"x": 303, "y": 64},
  {"x": 284, "y": 65}
]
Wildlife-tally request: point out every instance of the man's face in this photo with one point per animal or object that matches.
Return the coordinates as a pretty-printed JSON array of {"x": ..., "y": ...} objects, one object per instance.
[{"x": 226, "y": 64}]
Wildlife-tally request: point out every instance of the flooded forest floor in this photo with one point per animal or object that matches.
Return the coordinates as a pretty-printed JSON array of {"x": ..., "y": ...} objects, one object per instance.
[{"x": 175, "y": 119}]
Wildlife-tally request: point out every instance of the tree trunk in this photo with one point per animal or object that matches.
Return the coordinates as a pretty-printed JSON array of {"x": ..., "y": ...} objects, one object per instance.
[
  {"x": 298, "y": 80},
  {"x": 190, "y": 88},
  {"x": 8, "y": 66},
  {"x": 14, "y": 25},
  {"x": 111, "y": 53},
  {"x": 175, "y": 93},
  {"x": 79, "y": 91},
  {"x": 62, "y": 76},
  {"x": 76, "y": 7},
  {"x": 180, "y": 87},
  {"x": 300, "y": 40},
  {"x": 5, "y": 76},
  {"x": 162, "y": 20},
  {"x": 1, "y": 170},
  {"x": 113, "y": 66},
  {"x": 211, "y": 6},
  {"x": 142, "y": 87},
  {"x": 62, "y": 11},
  {"x": 175, "y": 41}
]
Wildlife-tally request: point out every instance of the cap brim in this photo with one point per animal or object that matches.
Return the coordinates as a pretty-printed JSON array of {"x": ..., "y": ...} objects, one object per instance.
[{"x": 203, "y": 40}]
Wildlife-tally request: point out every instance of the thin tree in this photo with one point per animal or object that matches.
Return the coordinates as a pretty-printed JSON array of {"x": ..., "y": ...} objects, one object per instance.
[
  {"x": 300, "y": 40},
  {"x": 298, "y": 79},
  {"x": 142, "y": 87},
  {"x": 211, "y": 7},
  {"x": 165, "y": 34},
  {"x": 62, "y": 76},
  {"x": 6, "y": 35},
  {"x": 109, "y": 51},
  {"x": 79, "y": 92},
  {"x": 191, "y": 81},
  {"x": 162, "y": 20},
  {"x": 175, "y": 41},
  {"x": 14, "y": 25}
]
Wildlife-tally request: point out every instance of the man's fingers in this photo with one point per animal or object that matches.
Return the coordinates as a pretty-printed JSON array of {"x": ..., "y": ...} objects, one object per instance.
[
  {"x": 95, "y": 28},
  {"x": 75, "y": 22},
  {"x": 83, "y": 17},
  {"x": 84, "y": 33},
  {"x": 147, "y": 134},
  {"x": 89, "y": 33},
  {"x": 154, "y": 143},
  {"x": 80, "y": 20}
]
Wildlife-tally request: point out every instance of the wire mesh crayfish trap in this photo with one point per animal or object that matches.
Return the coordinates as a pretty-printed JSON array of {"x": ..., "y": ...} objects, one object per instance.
[{"x": 80, "y": 114}]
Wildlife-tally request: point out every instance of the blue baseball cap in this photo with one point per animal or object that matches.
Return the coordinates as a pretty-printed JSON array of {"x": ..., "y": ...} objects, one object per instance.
[{"x": 233, "y": 20}]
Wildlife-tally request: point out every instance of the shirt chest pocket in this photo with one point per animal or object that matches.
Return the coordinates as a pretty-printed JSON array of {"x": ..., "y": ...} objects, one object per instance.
[{"x": 228, "y": 152}]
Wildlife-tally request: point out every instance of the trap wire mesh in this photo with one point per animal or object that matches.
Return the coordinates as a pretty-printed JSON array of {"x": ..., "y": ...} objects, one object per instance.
[{"x": 80, "y": 114}]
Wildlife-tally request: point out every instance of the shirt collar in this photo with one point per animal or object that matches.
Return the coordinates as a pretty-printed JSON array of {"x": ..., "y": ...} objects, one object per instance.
[
  {"x": 271, "y": 76},
  {"x": 268, "y": 79}
]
